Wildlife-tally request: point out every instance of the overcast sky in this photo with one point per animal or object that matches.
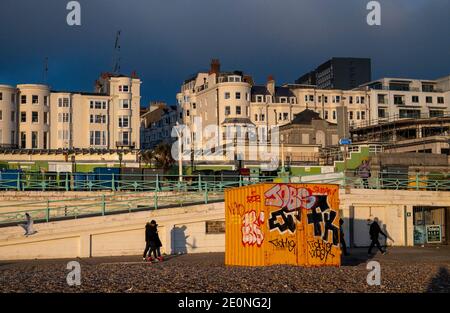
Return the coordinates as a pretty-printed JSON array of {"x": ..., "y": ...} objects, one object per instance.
[{"x": 166, "y": 41}]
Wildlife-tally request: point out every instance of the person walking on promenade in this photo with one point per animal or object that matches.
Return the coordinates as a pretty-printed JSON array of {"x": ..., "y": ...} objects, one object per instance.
[
  {"x": 147, "y": 241},
  {"x": 364, "y": 173},
  {"x": 155, "y": 242},
  {"x": 342, "y": 238},
  {"x": 374, "y": 232}
]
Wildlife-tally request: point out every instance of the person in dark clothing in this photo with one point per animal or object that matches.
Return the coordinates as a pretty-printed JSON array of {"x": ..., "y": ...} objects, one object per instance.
[
  {"x": 374, "y": 232},
  {"x": 154, "y": 241},
  {"x": 342, "y": 238},
  {"x": 147, "y": 241}
]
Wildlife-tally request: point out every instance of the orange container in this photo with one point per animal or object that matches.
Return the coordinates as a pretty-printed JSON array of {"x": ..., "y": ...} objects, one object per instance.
[{"x": 272, "y": 223}]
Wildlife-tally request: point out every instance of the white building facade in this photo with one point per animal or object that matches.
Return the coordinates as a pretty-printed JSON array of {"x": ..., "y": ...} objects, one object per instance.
[{"x": 34, "y": 117}]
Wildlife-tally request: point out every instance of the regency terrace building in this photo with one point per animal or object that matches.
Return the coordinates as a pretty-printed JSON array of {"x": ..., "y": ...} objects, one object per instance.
[
  {"x": 32, "y": 116},
  {"x": 232, "y": 102}
]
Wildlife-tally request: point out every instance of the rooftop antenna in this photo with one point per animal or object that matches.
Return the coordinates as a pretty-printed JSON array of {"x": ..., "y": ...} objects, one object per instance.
[
  {"x": 116, "y": 60},
  {"x": 46, "y": 70}
]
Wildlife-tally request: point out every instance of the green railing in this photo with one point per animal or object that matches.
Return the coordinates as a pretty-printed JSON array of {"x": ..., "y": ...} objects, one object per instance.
[{"x": 169, "y": 191}]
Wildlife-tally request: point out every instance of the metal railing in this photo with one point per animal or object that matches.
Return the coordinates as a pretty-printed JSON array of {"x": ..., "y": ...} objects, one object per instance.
[
  {"x": 397, "y": 117},
  {"x": 165, "y": 193}
]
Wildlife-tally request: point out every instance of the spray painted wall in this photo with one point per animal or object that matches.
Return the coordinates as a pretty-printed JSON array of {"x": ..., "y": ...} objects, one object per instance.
[{"x": 269, "y": 224}]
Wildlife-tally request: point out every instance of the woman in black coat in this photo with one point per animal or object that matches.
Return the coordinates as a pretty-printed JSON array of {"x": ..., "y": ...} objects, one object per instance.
[{"x": 152, "y": 241}]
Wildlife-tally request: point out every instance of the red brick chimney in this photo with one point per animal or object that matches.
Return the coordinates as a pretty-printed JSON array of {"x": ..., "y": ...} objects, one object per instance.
[{"x": 215, "y": 66}]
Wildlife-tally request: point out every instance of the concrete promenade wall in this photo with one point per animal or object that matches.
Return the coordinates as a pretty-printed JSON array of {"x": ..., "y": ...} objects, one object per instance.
[{"x": 184, "y": 229}]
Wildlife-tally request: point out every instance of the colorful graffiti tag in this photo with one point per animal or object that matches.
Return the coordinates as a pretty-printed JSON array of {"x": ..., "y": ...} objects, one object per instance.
[
  {"x": 290, "y": 201},
  {"x": 251, "y": 228}
]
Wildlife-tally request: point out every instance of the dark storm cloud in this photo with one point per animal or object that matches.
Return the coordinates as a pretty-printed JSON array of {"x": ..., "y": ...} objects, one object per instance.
[{"x": 166, "y": 40}]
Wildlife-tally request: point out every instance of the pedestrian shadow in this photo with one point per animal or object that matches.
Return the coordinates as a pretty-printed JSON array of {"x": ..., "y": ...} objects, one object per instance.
[
  {"x": 179, "y": 240},
  {"x": 440, "y": 282}
]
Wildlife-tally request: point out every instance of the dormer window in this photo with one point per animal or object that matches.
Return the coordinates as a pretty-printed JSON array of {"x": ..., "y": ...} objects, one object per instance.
[
  {"x": 283, "y": 100},
  {"x": 123, "y": 88},
  {"x": 259, "y": 98}
]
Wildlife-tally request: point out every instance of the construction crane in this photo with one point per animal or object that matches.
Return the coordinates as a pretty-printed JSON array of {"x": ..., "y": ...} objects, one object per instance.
[{"x": 116, "y": 58}]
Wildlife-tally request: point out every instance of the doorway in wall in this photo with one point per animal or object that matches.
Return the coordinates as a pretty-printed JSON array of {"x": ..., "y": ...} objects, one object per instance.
[{"x": 430, "y": 225}]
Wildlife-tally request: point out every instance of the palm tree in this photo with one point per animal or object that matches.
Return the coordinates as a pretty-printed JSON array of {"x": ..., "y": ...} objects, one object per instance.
[{"x": 162, "y": 155}]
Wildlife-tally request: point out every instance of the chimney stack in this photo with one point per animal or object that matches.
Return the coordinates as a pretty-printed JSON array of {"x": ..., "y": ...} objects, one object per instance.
[
  {"x": 215, "y": 66},
  {"x": 271, "y": 85}
]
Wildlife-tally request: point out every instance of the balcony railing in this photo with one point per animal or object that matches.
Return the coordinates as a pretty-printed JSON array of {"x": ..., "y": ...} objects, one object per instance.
[{"x": 125, "y": 144}]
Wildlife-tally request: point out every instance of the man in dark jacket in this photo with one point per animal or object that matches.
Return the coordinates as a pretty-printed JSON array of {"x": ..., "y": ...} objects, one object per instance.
[
  {"x": 154, "y": 241},
  {"x": 374, "y": 232}
]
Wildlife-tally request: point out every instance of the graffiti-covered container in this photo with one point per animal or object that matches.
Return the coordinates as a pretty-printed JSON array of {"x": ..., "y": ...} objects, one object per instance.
[{"x": 278, "y": 223}]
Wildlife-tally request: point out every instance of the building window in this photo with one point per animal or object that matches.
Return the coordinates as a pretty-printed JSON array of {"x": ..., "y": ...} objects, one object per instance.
[
  {"x": 429, "y": 99},
  {"x": 97, "y": 104},
  {"x": 46, "y": 101},
  {"x": 415, "y": 99},
  {"x": 13, "y": 116},
  {"x": 325, "y": 99},
  {"x": 238, "y": 110},
  {"x": 1, "y": 115},
  {"x": 227, "y": 111},
  {"x": 363, "y": 115},
  {"x": 35, "y": 117},
  {"x": 285, "y": 116},
  {"x": 124, "y": 121},
  {"x": 124, "y": 104},
  {"x": 382, "y": 99},
  {"x": 350, "y": 115},
  {"x": 440, "y": 100},
  {"x": 64, "y": 118},
  {"x": 256, "y": 117},
  {"x": 45, "y": 140},
  {"x": 1, "y": 96},
  {"x": 436, "y": 113},
  {"x": 326, "y": 115},
  {"x": 125, "y": 136},
  {"x": 334, "y": 114},
  {"x": 34, "y": 140},
  {"x": 238, "y": 95},
  {"x": 187, "y": 112},
  {"x": 399, "y": 100},
  {"x": 123, "y": 88},
  {"x": 64, "y": 103},
  {"x": 13, "y": 137},
  {"x": 194, "y": 106},
  {"x": 227, "y": 95},
  {"x": 97, "y": 138},
  {"x": 382, "y": 113},
  {"x": 358, "y": 115},
  {"x": 34, "y": 99},
  {"x": 409, "y": 113},
  {"x": 350, "y": 99},
  {"x": 23, "y": 117},
  {"x": 259, "y": 98},
  {"x": 263, "y": 116},
  {"x": 23, "y": 99},
  {"x": 45, "y": 117},
  {"x": 362, "y": 100},
  {"x": 23, "y": 140}
]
